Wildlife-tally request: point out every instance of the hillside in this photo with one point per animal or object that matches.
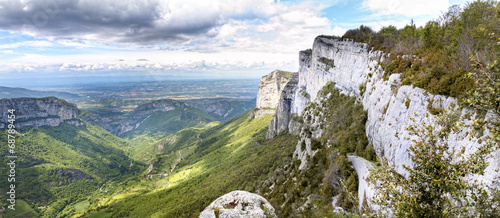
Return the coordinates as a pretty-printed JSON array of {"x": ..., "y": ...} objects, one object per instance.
[
  {"x": 233, "y": 155},
  {"x": 161, "y": 117},
  {"x": 47, "y": 111},
  {"x": 61, "y": 168}
]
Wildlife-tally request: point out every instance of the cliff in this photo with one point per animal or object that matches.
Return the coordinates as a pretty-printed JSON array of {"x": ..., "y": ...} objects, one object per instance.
[
  {"x": 270, "y": 91},
  {"x": 48, "y": 111},
  {"x": 390, "y": 106},
  {"x": 283, "y": 115}
]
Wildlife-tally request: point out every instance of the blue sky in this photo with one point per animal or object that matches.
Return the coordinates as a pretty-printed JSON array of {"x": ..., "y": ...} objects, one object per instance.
[{"x": 220, "y": 39}]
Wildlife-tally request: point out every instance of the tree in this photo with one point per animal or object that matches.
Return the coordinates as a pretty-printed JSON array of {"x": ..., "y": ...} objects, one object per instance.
[{"x": 435, "y": 184}]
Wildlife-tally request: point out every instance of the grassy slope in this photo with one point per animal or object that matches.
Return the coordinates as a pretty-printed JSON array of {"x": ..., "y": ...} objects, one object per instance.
[
  {"x": 44, "y": 153},
  {"x": 224, "y": 158}
]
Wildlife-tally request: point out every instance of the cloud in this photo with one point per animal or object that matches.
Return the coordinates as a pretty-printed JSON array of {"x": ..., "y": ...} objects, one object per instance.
[
  {"x": 126, "y": 21},
  {"x": 407, "y": 8},
  {"x": 33, "y": 44},
  {"x": 159, "y": 35}
]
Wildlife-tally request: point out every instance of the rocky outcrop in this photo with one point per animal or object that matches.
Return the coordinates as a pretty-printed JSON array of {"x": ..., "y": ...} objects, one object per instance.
[
  {"x": 239, "y": 204},
  {"x": 283, "y": 114},
  {"x": 363, "y": 167},
  {"x": 142, "y": 112},
  {"x": 390, "y": 106},
  {"x": 271, "y": 87},
  {"x": 90, "y": 117},
  {"x": 48, "y": 111},
  {"x": 73, "y": 174}
]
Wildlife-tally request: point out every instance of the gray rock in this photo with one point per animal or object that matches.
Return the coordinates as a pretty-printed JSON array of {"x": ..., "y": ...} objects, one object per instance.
[
  {"x": 390, "y": 105},
  {"x": 270, "y": 88},
  {"x": 363, "y": 167},
  {"x": 283, "y": 114},
  {"x": 239, "y": 204},
  {"x": 47, "y": 111}
]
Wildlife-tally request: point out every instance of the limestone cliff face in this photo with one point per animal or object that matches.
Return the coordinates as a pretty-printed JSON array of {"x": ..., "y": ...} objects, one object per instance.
[
  {"x": 48, "y": 111},
  {"x": 283, "y": 115},
  {"x": 390, "y": 105},
  {"x": 270, "y": 88}
]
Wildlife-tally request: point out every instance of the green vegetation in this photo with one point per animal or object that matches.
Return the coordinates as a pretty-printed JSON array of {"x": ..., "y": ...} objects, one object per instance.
[
  {"x": 163, "y": 123},
  {"x": 226, "y": 157},
  {"x": 328, "y": 62},
  {"x": 435, "y": 186},
  {"x": 59, "y": 166},
  {"x": 23, "y": 209},
  {"x": 437, "y": 56},
  {"x": 308, "y": 192}
]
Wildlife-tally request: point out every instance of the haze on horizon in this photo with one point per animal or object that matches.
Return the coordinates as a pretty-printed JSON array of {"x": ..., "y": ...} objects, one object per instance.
[{"x": 67, "y": 40}]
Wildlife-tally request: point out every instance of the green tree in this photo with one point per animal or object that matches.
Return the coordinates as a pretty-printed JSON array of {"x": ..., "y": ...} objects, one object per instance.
[{"x": 435, "y": 184}]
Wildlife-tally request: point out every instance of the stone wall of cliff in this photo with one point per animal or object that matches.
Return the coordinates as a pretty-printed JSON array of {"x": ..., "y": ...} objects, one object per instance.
[
  {"x": 269, "y": 94},
  {"x": 390, "y": 105},
  {"x": 48, "y": 111}
]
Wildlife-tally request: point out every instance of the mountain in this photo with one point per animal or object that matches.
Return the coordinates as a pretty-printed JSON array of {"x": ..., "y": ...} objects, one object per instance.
[
  {"x": 353, "y": 69},
  {"x": 164, "y": 116},
  {"x": 196, "y": 166},
  {"x": 331, "y": 122},
  {"x": 223, "y": 109},
  {"x": 8, "y": 92},
  {"x": 61, "y": 160}
]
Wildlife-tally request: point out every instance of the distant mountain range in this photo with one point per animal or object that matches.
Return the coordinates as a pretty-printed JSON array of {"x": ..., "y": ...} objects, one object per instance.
[{"x": 8, "y": 92}]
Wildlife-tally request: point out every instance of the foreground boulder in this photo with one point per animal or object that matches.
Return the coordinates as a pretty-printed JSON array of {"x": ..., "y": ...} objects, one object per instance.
[{"x": 239, "y": 204}]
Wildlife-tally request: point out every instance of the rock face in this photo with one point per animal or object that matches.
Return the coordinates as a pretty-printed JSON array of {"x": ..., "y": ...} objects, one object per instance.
[
  {"x": 95, "y": 119},
  {"x": 390, "y": 105},
  {"x": 283, "y": 115},
  {"x": 270, "y": 90},
  {"x": 239, "y": 204},
  {"x": 362, "y": 167},
  {"x": 144, "y": 111},
  {"x": 48, "y": 111}
]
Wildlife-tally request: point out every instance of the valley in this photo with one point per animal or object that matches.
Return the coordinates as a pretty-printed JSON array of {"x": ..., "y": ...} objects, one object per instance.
[{"x": 388, "y": 123}]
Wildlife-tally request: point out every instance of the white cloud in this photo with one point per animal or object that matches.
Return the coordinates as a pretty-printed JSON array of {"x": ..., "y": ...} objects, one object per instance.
[
  {"x": 32, "y": 44},
  {"x": 338, "y": 31},
  {"x": 222, "y": 35},
  {"x": 407, "y": 7}
]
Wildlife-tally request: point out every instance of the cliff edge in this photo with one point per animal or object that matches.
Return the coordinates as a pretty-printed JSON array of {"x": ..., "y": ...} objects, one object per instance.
[{"x": 47, "y": 111}]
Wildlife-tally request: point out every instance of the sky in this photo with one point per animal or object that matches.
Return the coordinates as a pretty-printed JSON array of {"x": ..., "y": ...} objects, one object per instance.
[{"x": 43, "y": 39}]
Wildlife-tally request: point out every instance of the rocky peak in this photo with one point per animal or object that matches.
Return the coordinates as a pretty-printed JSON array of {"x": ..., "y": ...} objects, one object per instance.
[
  {"x": 270, "y": 88},
  {"x": 47, "y": 111}
]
